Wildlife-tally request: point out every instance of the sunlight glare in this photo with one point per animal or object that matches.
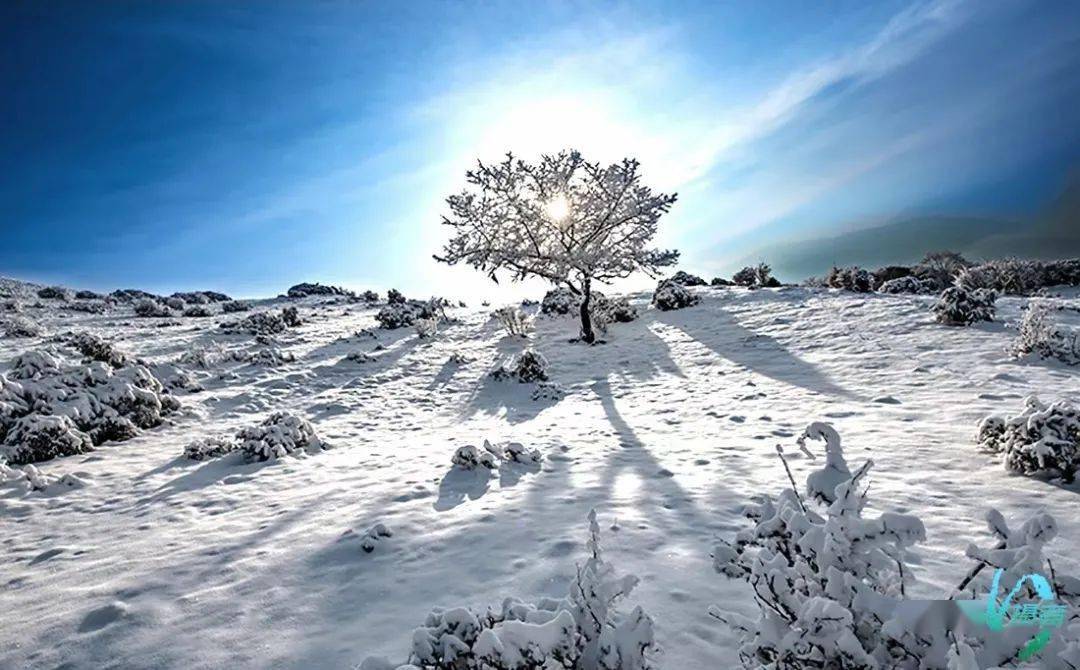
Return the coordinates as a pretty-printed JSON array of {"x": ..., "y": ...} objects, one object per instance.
[{"x": 557, "y": 208}]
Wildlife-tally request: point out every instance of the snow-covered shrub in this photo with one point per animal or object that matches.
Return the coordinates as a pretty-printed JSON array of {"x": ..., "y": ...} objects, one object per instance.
[
  {"x": 148, "y": 307},
  {"x": 264, "y": 324},
  {"x": 854, "y": 279},
  {"x": 26, "y": 476},
  {"x": 133, "y": 295},
  {"x": 197, "y": 311},
  {"x": 395, "y": 297},
  {"x": 269, "y": 357},
  {"x": 458, "y": 358},
  {"x": 87, "y": 306},
  {"x": 279, "y": 435},
  {"x": 1040, "y": 335},
  {"x": 54, "y": 293},
  {"x": 905, "y": 285},
  {"x": 720, "y": 281},
  {"x": 606, "y": 311},
  {"x": 234, "y": 306},
  {"x": 291, "y": 317},
  {"x": 37, "y": 437},
  {"x": 359, "y": 357},
  {"x": 516, "y": 452},
  {"x": 175, "y": 303},
  {"x": 669, "y": 296},
  {"x": 888, "y": 273},
  {"x": 687, "y": 279},
  {"x": 401, "y": 314},
  {"x": 306, "y": 289},
  {"x": 1041, "y": 440},
  {"x": 1010, "y": 276},
  {"x": 755, "y": 277},
  {"x": 514, "y": 321},
  {"x": 88, "y": 295},
  {"x": 548, "y": 391},
  {"x": 582, "y": 631},
  {"x": 958, "y": 306},
  {"x": 99, "y": 401},
  {"x": 1064, "y": 272},
  {"x": 20, "y": 326},
  {"x": 97, "y": 348},
  {"x": 469, "y": 457},
  {"x": 369, "y": 296},
  {"x": 821, "y": 579},
  {"x": 426, "y": 328},
  {"x": 560, "y": 300},
  {"x": 939, "y": 268},
  {"x": 207, "y": 448},
  {"x": 527, "y": 366}
]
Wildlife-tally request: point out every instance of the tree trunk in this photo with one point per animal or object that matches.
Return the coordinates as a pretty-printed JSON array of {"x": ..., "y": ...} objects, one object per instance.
[{"x": 587, "y": 334}]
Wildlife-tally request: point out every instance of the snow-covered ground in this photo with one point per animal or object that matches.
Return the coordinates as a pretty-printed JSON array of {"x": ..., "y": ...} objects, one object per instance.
[{"x": 667, "y": 430}]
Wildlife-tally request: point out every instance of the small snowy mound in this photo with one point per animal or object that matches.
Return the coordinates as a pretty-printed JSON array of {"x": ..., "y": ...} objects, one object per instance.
[
  {"x": 517, "y": 452},
  {"x": 961, "y": 307},
  {"x": 560, "y": 300},
  {"x": 269, "y": 357},
  {"x": 207, "y": 448},
  {"x": 280, "y": 435},
  {"x": 582, "y": 631},
  {"x": 907, "y": 284},
  {"x": 1039, "y": 335},
  {"x": 51, "y": 408},
  {"x": 374, "y": 535},
  {"x": 1042, "y": 440},
  {"x": 669, "y": 296}
]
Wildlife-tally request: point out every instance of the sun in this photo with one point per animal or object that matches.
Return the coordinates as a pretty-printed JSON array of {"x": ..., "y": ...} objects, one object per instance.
[{"x": 557, "y": 208}]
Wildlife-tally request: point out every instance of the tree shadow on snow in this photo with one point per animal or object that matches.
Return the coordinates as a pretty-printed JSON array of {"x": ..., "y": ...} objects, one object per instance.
[
  {"x": 459, "y": 485},
  {"x": 756, "y": 352}
]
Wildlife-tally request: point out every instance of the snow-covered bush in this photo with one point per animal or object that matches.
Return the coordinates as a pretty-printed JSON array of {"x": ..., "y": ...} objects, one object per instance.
[
  {"x": 888, "y": 273},
  {"x": 54, "y": 293},
  {"x": 516, "y": 452},
  {"x": 175, "y": 303},
  {"x": 88, "y": 295},
  {"x": 527, "y": 366},
  {"x": 854, "y": 279},
  {"x": 606, "y": 311},
  {"x": 264, "y": 324},
  {"x": 148, "y": 307},
  {"x": 48, "y": 406},
  {"x": 207, "y": 448},
  {"x": 1064, "y": 272},
  {"x": 1010, "y": 276},
  {"x": 399, "y": 314},
  {"x": 277, "y": 436},
  {"x": 37, "y": 437},
  {"x": 291, "y": 317},
  {"x": 200, "y": 297},
  {"x": 269, "y": 357},
  {"x": 469, "y": 457},
  {"x": 905, "y": 285},
  {"x": 1041, "y": 440},
  {"x": 87, "y": 306},
  {"x": 369, "y": 296},
  {"x": 234, "y": 306},
  {"x": 582, "y": 631},
  {"x": 374, "y": 536},
  {"x": 197, "y": 311},
  {"x": 306, "y": 289},
  {"x": 687, "y": 279},
  {"x": 669, "y": 296},
  {"x": 560, "y": 300},
  {"x": 395, "y": 297},
  {"x": 720, "y": 281},
  {"x": 426, "y": 328},
  {"x": 20, "y": 326},
  {"x": 939, "y": 269},
  {"x": 359, "y": 357},
  {"x": 26, "y": 476},
  {"x": 96, "y": 348},
  {"x": 755, "y": 277},
  {"x": 958, "y": 306},
  {"x": 514, "y": 321},
  {"x": 1040, "y": 335}
]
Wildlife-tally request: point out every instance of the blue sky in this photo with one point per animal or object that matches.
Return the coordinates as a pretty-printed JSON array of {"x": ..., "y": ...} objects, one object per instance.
[{"x": 248, "y": 146}]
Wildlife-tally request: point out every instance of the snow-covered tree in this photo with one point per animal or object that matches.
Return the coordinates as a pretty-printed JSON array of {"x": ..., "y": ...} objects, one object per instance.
[{"x": 562, "y": 218}]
